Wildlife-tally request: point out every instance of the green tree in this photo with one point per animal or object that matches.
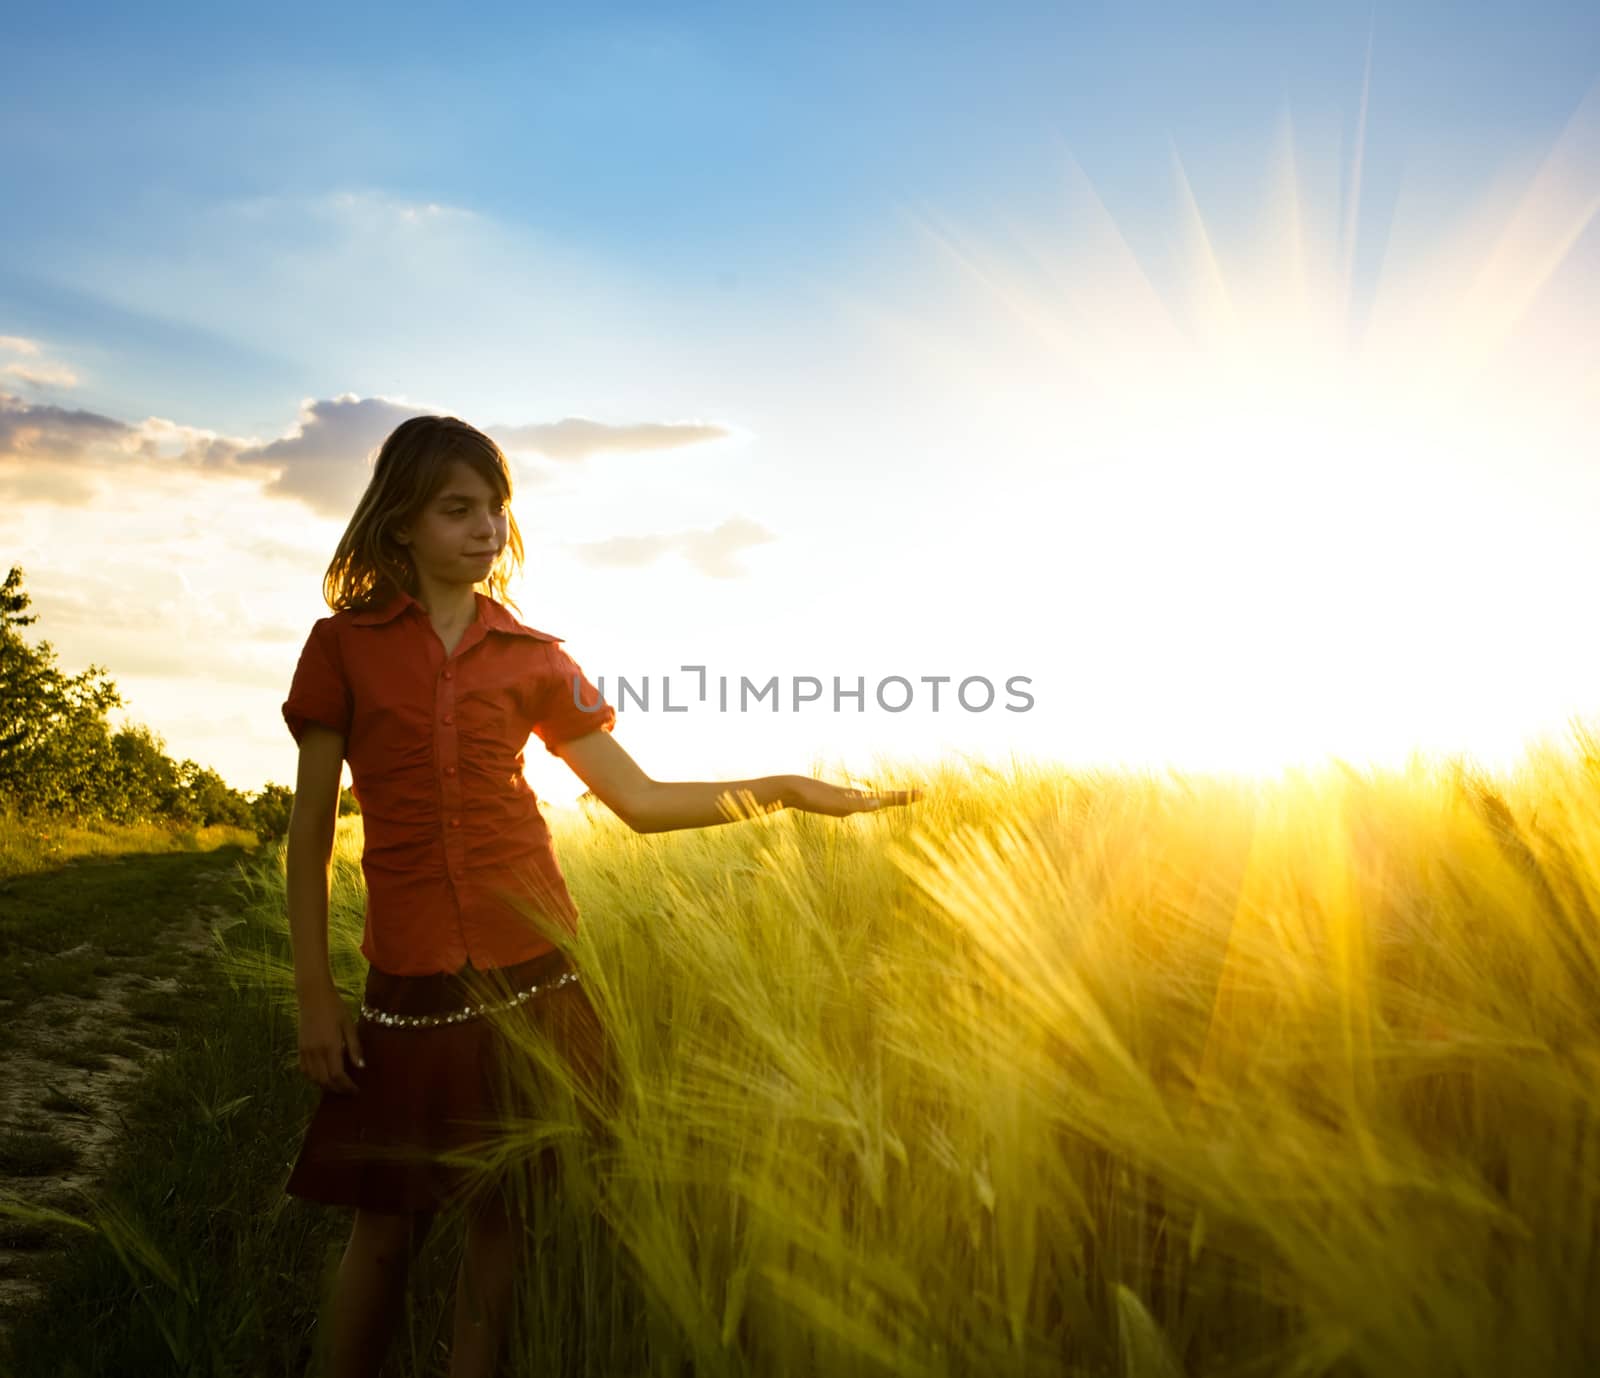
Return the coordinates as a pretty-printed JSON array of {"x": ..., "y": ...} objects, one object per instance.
[
  {"x": 59, "y": 756},
  {"x": 269, "y": 811},
  {"x": 147, "y": 776},
  {"x": 207, "y": 798},
  {"x": 55, "y": 746}
]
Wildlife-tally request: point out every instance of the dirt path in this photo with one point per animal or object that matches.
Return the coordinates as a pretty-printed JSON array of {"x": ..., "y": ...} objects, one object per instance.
[{"x": 65, "y": 1079}]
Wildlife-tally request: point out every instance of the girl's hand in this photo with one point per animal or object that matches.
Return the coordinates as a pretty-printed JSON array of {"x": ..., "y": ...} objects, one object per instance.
[
  {"x": 326, "y": 1032},
  {"x": 818, "y": 796}
]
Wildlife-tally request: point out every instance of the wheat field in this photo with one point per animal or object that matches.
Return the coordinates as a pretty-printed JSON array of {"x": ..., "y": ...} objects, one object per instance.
[{"x": 1108, "y": 1073}]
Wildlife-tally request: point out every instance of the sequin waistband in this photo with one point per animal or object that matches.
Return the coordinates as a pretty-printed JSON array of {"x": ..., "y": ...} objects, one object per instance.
[{"x": 457, "y": 1016}]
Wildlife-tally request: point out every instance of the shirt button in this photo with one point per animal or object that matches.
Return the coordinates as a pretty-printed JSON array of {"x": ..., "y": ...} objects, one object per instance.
[
  {"x": 449, "y": 770},
  {"x": 455, "y": 822},
  {"x": 449, "y": 674},
  {"x": 449, "y": 717}
]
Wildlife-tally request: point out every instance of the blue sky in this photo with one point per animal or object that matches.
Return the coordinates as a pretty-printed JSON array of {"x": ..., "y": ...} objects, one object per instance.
[
  {"x": 706, "y": 141},
  {"x": 670, "y": 214}
]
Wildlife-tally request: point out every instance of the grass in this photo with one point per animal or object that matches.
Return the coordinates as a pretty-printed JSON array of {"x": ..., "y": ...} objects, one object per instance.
[
  {"x": 187, "y": 1258},
  {"x": 73, "y": 909},
  {"x": 33, "y": 1154},
  {"x": 35, "y": 846},
  {"x": 61, "y": 1103},
  {"x": 1049, "y": 1074}
]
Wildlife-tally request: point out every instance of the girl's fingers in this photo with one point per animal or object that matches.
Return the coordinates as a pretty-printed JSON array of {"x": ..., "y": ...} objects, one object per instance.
[
  {"x": 333, "y": 1076},
  {"x": 886, "y": 798}
]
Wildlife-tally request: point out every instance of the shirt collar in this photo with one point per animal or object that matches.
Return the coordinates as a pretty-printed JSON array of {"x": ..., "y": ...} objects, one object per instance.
[{"x": 494, "y": 616}]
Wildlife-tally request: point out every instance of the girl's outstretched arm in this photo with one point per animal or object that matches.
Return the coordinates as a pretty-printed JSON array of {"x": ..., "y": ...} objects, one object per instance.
[{"x": 659, "y": 806}]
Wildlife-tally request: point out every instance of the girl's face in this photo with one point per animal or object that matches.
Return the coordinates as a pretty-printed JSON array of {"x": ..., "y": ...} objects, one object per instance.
[{"x": 460, "y": 531}]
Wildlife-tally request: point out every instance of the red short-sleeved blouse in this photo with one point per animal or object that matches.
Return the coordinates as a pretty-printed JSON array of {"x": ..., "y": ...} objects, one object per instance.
[{"x": 455, "y": 846}]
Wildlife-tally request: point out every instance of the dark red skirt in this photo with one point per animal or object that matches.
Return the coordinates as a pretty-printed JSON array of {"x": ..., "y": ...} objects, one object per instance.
[{"x": 442, "y": 1088}]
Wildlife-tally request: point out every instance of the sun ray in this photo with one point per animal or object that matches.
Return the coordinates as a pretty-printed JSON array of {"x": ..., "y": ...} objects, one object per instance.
[
  {"x": 1289, "y": 539},
  {"x": 1215, "y": 302},
  {"x": 989, "y": 275},
  {"x": 1559, "y": 204},
  {"x": 1352, "y": 218},
  {"x": 1119, "y": 296}
]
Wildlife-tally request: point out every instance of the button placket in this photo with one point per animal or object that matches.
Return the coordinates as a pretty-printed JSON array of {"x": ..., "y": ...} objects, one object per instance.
[
  {"x": 453, "y": 819},
  {"x": 447, "y": 744}
]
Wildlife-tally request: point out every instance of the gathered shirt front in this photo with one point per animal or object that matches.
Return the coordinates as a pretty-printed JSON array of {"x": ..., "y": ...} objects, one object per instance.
[{"x": 457, "y": 856}]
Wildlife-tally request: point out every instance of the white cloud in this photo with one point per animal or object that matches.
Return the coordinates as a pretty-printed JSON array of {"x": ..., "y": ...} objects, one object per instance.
[
  {"x": 575, "y": 438},
  {"x": 713, "y": 552},
  {"x": 44, "y": 374},
  {"x": 51, "y": 376},
  {"x": 54, "y": 454},
  {"x": 326, "y": 463}
]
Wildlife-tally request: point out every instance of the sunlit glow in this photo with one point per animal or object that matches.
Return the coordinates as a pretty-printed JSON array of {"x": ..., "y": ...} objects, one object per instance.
[{"x": 1277, "y": 515}]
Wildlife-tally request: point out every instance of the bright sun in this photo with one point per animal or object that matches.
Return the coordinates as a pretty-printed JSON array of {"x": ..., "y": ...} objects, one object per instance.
[{"x": 1303, "y": 519}]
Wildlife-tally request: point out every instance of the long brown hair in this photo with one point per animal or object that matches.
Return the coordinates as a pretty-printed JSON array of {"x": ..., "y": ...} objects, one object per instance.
[{"x": 370, "y": 566}]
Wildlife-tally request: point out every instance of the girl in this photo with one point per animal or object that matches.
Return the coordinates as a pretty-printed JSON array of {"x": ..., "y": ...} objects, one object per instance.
[{"x": 429, "y": 687}]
